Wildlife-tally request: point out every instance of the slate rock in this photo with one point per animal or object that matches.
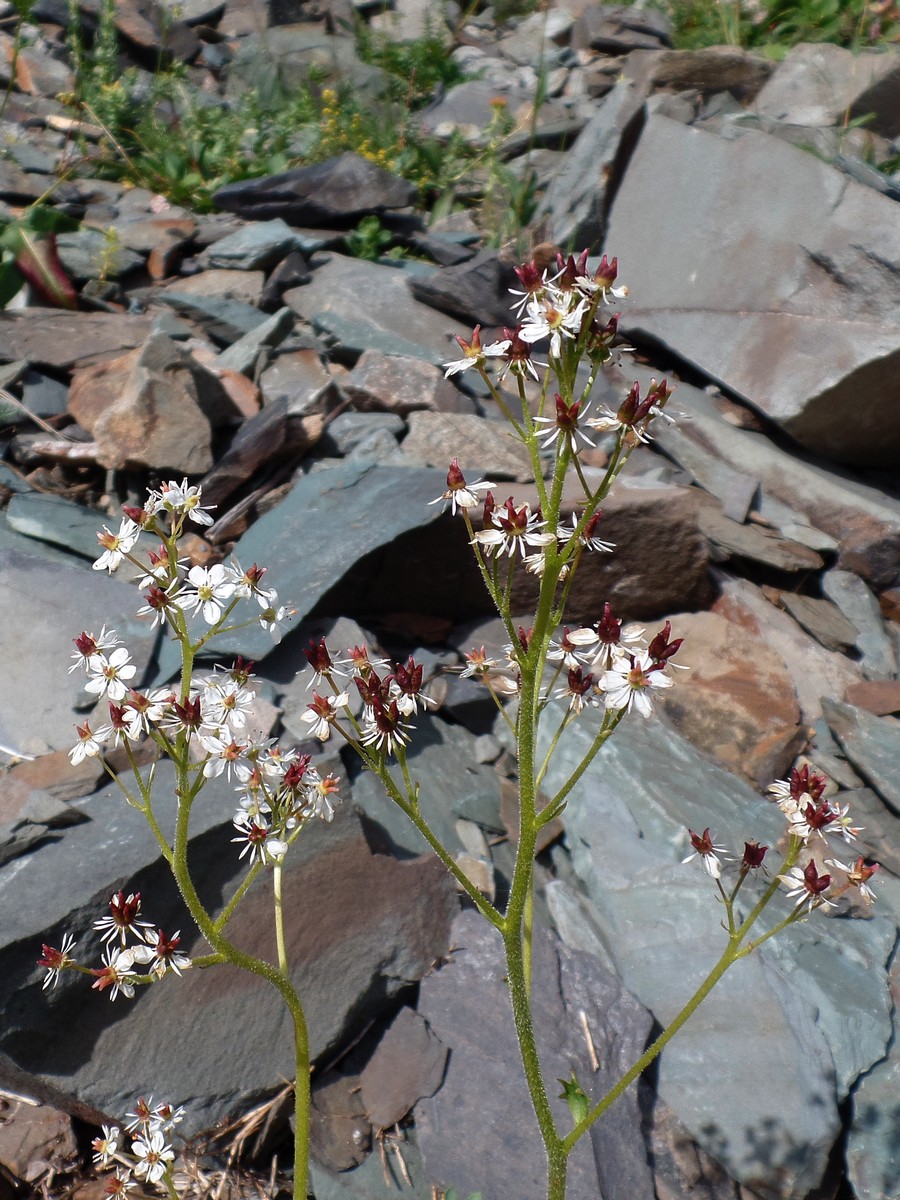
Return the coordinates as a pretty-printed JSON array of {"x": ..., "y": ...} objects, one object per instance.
[
  {"x": 800, "y": 328},
  {"x": 736, "y": 701},
  {"x": 394, "y": 384},
  {"x": 244, "y": 354},
  {"x": 257, "y": 247},
  {"x": 370, "y": 297},
  {"x": 164, "y": 416},
  {"x": 323, "y": 526},
  {"x": 370, "y": 923},
  {"x": 466, "y": 1003},
  {"x": 28, "y": 815},
  {"x": 34, "y": 1138},
  {"x": 89, "y": 254},
  {"x": 822, "y": 619},
  {"x": 871, "y": 1155},
  {"x": 379, "y": 1177},
  {"x": 350, "y": 430},
  {"x": 864, "y": 520},
  {"x": 618, "y": 29},
  {"x": 43, "y": 394},
  {"x": 340, "y": 1134},
  {"x": 754, "y": 543},
  {"x": 343, "y": 188},
  {"x": 58, "y": 521},
  {"x": 298, "y": 378},
  {"x": 860, "y": 607},
  {"x": 46, "y": 337},
  {"x": 878, "y": 696},
  {"x": 225, "y": 320},
  {"x": 300, "y": 54},
  {"x": 660, "y": 562},
  {"x": 475, "y": 291},
  {"x": 872, "y": 744},
  {"x": 46, "y": 599},
  {"x": 781, "y": 1012},
  {"x": 820, "y": 84},
  {"x": 408, "y": 1064},
  {"x": 224, "y": 283},
  {"x": 436, "y": 438},
  {"x": 575, "y": 205}
]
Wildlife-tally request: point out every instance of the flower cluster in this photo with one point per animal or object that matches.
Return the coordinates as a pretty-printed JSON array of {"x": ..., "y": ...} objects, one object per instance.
[
  {"x": 388, "y": 700},
  {"x": 130, "y": 943},
  {"x": 561, "y": 308},
  {"x": 151, "y": 1157},
  {"x": 810, "y": 818}
]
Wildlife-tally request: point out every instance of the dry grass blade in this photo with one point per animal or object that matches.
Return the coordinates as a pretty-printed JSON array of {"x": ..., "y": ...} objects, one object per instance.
[{"x": 9, "y": 398}]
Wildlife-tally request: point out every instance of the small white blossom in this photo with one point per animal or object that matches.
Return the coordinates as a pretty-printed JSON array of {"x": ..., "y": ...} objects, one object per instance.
[
  {"x": 108, "y": 675},
  {"x": 209, "y": 590},
  {"x": 116, "y": 545}
]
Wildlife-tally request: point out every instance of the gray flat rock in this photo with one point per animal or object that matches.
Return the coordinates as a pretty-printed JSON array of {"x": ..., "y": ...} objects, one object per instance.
[
  {"x": 47, "y": 337},
  {"x": 57, "y": 521},
  {"x": 864, "y": 520},
  {"x": 342, "y": 188},
  {"x": 820, "y": 84},
  {"x": 380, "y": 298},
  {"x": 256, "y": 247},
  {"x": 46, "y": 599},
  {"x": 872, "y": 744},
  {"x": 860, "y": 608},
  {"x": 324, "y": 526},
  {"x": 466, "y": 1003},
  {"x": 822, "y": 619},
  {"x": 794, "y": 317}
]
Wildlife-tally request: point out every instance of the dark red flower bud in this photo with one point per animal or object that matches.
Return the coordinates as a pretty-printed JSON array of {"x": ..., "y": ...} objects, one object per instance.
[{"x": 753, "y": 855}]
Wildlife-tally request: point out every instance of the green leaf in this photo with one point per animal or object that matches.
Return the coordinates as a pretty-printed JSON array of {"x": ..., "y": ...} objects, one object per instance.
[
  {"x": 42, "y": 219},
  {"x": 11, "y": 281},
  {"x": 576, "y": 1098}
]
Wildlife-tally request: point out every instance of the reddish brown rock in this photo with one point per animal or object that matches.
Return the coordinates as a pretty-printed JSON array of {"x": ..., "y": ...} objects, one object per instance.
[
  {"x": 814, "y": 671},
  {"x": 34, "y": 1138},
  {"x": 394, "y": 383},
  {"x": 878, "y": 696},
  {"x": 736, "y": 702},
  {"x": 407, "y": 1065}
]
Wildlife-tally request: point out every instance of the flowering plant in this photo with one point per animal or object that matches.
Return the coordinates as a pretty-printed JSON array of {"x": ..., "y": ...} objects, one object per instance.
[{"x": 599, "y": 673}]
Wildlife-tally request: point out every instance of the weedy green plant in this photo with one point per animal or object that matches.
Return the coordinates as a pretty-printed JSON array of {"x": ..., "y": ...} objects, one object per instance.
[
  {"x": 773, "y": 26},
  {"x": 549, "y": 677}
]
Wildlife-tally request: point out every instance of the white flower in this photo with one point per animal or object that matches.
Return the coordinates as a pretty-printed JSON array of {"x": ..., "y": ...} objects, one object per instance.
[
  {"x": 108, "y": 674},
  {"x": 88, "y": 647},
  {"x": 462, "y": 495},
  {"x": 116, "y": 545},
  {"x": 627, "y": 683},
  {"x": 212, "y": 587},
  {"x": 273, "y": 617},
  {"x": 107, "y": 1147},
  {"x": 116, "y": 972},
  {"x": 178, "y": 498},
  {"x": 545, "y": 320},
  {"x": 708, "y": 852},
  {"x": 153, "y": 1156},
  {"x": 254, "y": 832},
  {"x": 55, "y": 960},
  {"x": 89, "y": 743}
]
